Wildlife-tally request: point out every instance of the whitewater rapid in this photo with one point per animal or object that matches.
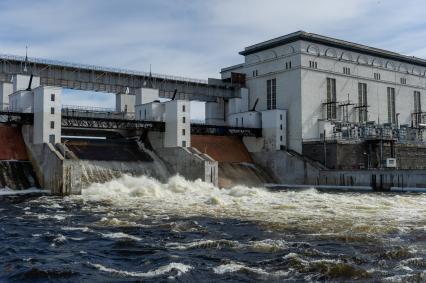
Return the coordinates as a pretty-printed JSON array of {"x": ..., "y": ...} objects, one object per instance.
[
  {"x": 137, "y": 228},
  {"x": 307, "y": 211}
]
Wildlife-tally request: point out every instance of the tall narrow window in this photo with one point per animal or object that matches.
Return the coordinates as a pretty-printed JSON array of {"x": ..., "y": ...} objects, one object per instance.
[
  {"x": 183, "y": 108},
  {"x": 391, "y": 105},
  {"x": 52, "y": 125},
  {"x": 331, "y": 99},
  {"x": 417, "y": 108},
  {"x": 52, "y": 110},
  {"x": 183, "y": 120},
  {"x": 362, "y": 102},
  {"x": 52, "y": 97},
  {"x": 271, "y": 94}
]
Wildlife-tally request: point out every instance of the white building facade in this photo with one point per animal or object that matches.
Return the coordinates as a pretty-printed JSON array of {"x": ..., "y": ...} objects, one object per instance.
[{"x": 321, "y": 83}]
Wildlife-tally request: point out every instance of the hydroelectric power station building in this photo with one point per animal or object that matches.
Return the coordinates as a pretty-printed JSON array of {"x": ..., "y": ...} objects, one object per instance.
[{"x": 301, "y": 109}]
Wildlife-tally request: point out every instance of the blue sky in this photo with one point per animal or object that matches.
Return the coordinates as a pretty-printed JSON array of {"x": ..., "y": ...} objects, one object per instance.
[{"x": 194, "y": 38}]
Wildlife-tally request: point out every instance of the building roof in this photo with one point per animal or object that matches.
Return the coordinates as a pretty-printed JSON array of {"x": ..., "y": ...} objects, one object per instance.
[{"x": 337, "y": 43}]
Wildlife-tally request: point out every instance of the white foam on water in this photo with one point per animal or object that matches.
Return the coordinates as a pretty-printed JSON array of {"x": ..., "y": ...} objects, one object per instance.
[
  {"x": 9, "y": 192},
  {"x": 120, "y": 235},
  {"x": 82, "y": 229},
  {"x": 267, "y": 245},
  {"x": 308, "y": 210},
  {"x": 239, "y": 267},
  {"x": 174, "y": 266}
]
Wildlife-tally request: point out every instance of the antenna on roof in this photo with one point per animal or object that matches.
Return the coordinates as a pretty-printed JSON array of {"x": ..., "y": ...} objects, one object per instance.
[
  {"x": 26, "y": 59},
  {"x": 150, "y": 77}
]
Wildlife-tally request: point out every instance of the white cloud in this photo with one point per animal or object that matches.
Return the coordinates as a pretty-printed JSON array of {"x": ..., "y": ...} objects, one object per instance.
[{"x": 196, "y": 38}]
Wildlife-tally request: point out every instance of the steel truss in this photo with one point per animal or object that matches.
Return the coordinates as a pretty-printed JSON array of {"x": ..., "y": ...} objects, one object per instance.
[
  {"x": 202, "y": 129},
  {"x": 19, "y": 118},
  {"x": 105, "y": 123}
]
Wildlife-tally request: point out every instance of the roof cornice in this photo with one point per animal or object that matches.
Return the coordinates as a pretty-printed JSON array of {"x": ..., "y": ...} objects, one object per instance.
[{"x": 333, "y": 42}]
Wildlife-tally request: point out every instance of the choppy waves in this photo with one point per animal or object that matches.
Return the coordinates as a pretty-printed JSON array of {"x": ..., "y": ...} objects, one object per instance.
[{"x": 136, "y": 228}]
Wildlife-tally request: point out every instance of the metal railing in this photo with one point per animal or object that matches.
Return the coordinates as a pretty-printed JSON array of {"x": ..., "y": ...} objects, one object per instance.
[
  {"x": 100, "y": 68},
  {"x": 95, "y": 112}
]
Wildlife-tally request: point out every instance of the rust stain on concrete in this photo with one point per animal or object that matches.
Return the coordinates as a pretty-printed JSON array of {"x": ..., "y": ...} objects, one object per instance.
[
  {"x": 222, "y": 148},
  {"x": 12, "y": 146}
]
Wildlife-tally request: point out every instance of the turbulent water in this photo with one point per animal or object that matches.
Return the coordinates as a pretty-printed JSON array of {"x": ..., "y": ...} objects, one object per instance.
[{"x": 138, "y": 229}]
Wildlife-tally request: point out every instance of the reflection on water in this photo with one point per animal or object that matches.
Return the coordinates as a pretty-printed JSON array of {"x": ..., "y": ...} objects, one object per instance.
[{"x": 140, "y": 229}]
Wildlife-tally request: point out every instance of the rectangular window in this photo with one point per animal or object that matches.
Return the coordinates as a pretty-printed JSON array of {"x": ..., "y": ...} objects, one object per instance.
[
  {"x": 281, "y": 117},
  {"x": 52, "y": 110},
  {"x": 52, "y": 125},
  {"x": 52, "y": 97},
  {"x": 242, "y": 122},
  {"x": 403, "y": 81},
  {"x": 183, "y": 143},
  {"x": 51, "y": 138},
  {"x": 346, "y": 70},
  {"x": 271, "y": 94},
  {"x": 391, "y": 105},
  {"x": 313, "y": 64},
  {"x": 331, "y": 99},
  {"x": 183, "y": 120},
  {"x": 377, "y": 76},
  {"x": 362, "y": 103},
  {"x": 183, "y": 108},
  {"x": 288, "y": 65},
  {"x": 183, "y": 132},
  {"x": 417, "y": 108},
  {"x": 255, "y": 73}
]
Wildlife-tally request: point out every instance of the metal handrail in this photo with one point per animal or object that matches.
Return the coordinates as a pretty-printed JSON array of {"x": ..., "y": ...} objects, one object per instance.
[{"x": 100, "y": 68}]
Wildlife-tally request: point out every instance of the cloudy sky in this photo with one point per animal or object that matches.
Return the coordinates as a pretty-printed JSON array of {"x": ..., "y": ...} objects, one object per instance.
[{"x": 194, "y": 38}]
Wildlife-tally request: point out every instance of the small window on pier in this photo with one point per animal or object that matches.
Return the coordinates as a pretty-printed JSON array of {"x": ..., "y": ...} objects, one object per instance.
[
  {"x": 52, "y": 97},
  {"x": 52, "y": 110},
  {"x": 183, "y": 132},
  {"x": 52, "y": 124},
  {"x": 183, "y": 108}
]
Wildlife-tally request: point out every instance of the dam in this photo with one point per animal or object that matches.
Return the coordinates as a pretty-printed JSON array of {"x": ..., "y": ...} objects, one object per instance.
[{"x": 284, "y": 118}]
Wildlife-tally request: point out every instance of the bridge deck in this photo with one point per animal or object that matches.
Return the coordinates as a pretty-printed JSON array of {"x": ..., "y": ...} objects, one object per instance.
[
  {"x": 111, "y": 80},
  {"x": 84, "y": 122}
]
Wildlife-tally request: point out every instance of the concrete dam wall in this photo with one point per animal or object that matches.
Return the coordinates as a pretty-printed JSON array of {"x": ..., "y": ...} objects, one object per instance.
[
  {"x": 16, "y": 171},
  {"x": 236, "y": 166},
  {"x": 99, "y": 161}
]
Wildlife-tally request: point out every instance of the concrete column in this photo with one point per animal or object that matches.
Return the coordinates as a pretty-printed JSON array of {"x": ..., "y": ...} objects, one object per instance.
[
  {"x": 21, "y": 82},
  {"x": 215, "y": 112},
  {"x": 178, "y": 125},
  {"x": 147, "y": 105},
  {"x": 47, "y": 115},
  {"x": 146, "y": 95},
  {"x": 5, "y": 90},
  {"x": 274, "y": 125},
  {"x": 124, "y": 102}
]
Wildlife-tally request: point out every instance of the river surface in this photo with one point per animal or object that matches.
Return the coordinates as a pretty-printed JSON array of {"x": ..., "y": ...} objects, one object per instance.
[{"x": 140, "y": 230}]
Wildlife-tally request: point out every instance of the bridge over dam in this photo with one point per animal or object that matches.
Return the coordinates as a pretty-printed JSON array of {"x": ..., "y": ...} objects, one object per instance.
[
  {"x": 130, "y": 145},
  {"x": 149, "y": 132}
]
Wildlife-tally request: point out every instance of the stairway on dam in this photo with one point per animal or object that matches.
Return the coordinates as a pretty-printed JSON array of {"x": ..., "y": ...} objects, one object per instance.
[
  {"x": 236, "y": 166},
  {"x": 16, "y": 171}
]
